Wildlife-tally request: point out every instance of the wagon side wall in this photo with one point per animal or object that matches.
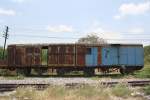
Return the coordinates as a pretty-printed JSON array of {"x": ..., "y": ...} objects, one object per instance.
[
  {"x": 61, "y": 55},
  {"x": 11, "y": 55},
  {"x": 131, "y": 55},
  {"x": 123, "y": 55},
  {"x": 33, "y": 56}
]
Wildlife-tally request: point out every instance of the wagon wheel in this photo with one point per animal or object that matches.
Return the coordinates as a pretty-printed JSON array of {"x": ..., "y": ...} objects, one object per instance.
[
  {"x": 60, "y": 72},
  {"x": 105, "y": 70},
  {"x": 124, "y": 70},
  {"x": 89, "y": 71},
  {"x": 40, "y": 71},
  {"x": 25, "y": 71},
  {"x": 12, "y": 69}
]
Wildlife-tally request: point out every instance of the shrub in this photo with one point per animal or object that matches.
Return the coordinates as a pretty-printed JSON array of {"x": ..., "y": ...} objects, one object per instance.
[
  {"x": 63, "y": 93},
  {"x": 4, "y": 72},
  {"x": 24, "y": 93},
  {"x": 1, "y": 53},
  {"x": 143, "y": 73},
  {"x": 121, "y": 91},
  {"x": 147, "y": 90}
]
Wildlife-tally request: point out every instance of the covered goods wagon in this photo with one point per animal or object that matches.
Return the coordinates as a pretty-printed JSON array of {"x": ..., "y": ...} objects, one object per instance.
[{"x": 69, "y": 57}]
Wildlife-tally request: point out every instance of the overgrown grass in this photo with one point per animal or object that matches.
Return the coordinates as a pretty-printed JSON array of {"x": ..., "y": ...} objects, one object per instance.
[
  {"x": 1, "y": 53},
  {"x": 75, "y": 93},
  {"x": 121, "y": 90},
  {"x": 146, "y": 90},
  {"x": 4, "y": 72},
  {"x": 16, "y": 77},
  {"x": 10, "y": 75},
  {"x": 144, "y": 73},
  {"x": 62, "y": 93},
  {"x": 19, "y": 77}
]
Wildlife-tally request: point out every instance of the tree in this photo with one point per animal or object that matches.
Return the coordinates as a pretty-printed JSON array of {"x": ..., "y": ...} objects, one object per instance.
[
  {"x": 147, "y": 54},
  {"x": 1, "y": 52},
  {"x": 92, "y": 39}
]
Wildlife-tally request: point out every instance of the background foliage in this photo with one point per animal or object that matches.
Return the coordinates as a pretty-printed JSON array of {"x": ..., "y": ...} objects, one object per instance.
[
  {"x": 147, "y": 54},
  {"x": 92, "y": 39},
  {"x": 1, "y": 53}
]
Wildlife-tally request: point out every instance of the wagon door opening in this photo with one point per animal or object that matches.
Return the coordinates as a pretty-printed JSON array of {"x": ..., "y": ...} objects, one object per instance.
[
  {"x": 91, "y": 56},
  {"x": 44, "y": 56}
]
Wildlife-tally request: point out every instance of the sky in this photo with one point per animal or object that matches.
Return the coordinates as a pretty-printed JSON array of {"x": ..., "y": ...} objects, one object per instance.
[{"x": 65, "y": 21}]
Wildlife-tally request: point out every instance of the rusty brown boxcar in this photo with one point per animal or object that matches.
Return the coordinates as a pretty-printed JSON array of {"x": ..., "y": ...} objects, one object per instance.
[
  {"x": 70, "y": 57},
  {"x": 57, "y": 56}
]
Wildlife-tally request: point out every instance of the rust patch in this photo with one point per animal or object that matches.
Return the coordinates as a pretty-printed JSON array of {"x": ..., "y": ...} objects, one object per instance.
[
  {"x": 20, "y": 56},
  {"x": 61, "y": 55},
  {"x": 70, "y": 55},
  {"x": 11, "y": 50},
  {"x": 29, "y": 56},
  {"x": 52, "y": 55},
  {"x": 99, "y": 55},
  {"x": 80, "y": 55}
]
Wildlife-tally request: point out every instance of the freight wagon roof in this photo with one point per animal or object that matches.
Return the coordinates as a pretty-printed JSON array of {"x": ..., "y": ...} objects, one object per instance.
[{"x": 69, "y": 44}]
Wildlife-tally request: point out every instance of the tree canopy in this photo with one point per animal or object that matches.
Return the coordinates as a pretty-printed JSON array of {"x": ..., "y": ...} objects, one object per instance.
[
  {"x": 147, "y": 54},
  {"x": 92, "y": 39}
]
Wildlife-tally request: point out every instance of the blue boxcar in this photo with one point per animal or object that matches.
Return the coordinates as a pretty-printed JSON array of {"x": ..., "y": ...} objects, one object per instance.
[{"x": 126, "y": 55}]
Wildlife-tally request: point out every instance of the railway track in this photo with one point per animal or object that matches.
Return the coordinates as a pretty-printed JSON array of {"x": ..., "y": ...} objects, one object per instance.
[
  {"x": 11, "y": 87},
  {"x": 130, "y": 83},
  {"x": 5, "y": 87}
]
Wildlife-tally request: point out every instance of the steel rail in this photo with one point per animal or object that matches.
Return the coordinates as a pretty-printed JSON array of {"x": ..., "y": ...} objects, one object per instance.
[
  {"x": 130, "y": 83},
  {"x": 4, "y": 87}
]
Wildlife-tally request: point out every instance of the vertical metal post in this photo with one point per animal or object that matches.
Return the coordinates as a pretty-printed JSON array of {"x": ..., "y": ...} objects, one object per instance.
[{"x": 6, "y": 37}]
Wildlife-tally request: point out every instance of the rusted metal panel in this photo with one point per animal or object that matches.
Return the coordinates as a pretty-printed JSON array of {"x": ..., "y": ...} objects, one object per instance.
[
  {"x": 61, "y": 54},
  {"x": 33, "y": 56},
  {"x": 58, "y": 55},
  {"x": 29, "y": 56},
  {"x": 52, "y": 55},
  {"x": 11, "y": 50},
  {"x": 53, "y": 49},
  {"x": 80, "y": 55},
  {"x": 70, "y": 55},
  {"x": 66, "y": 55},
  {"x": 20, "y": 56},
  {"x": 52, "y": 60},
  {"x": 99, "y": 55},
  {"x": 37, "y": 56}
]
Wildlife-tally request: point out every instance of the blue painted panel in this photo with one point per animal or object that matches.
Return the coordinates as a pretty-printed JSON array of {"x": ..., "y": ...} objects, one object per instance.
[
  {"x": 123, "y": 56},
  {"x": 95, "y": 56},
  {"x": 139, "y": 56},
  {"x": 91, "y": 59},
  {"x": 127, "y": 56},
  {"x": 110, "y": 56},
  {"x": 131, "y": 56}
]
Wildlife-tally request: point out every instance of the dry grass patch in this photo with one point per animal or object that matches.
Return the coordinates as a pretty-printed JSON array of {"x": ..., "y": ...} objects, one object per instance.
[
  {"x": 121, "y": 90},
  {"x": 86, "y": 92},
  {"x": 63, "y": 93}
]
